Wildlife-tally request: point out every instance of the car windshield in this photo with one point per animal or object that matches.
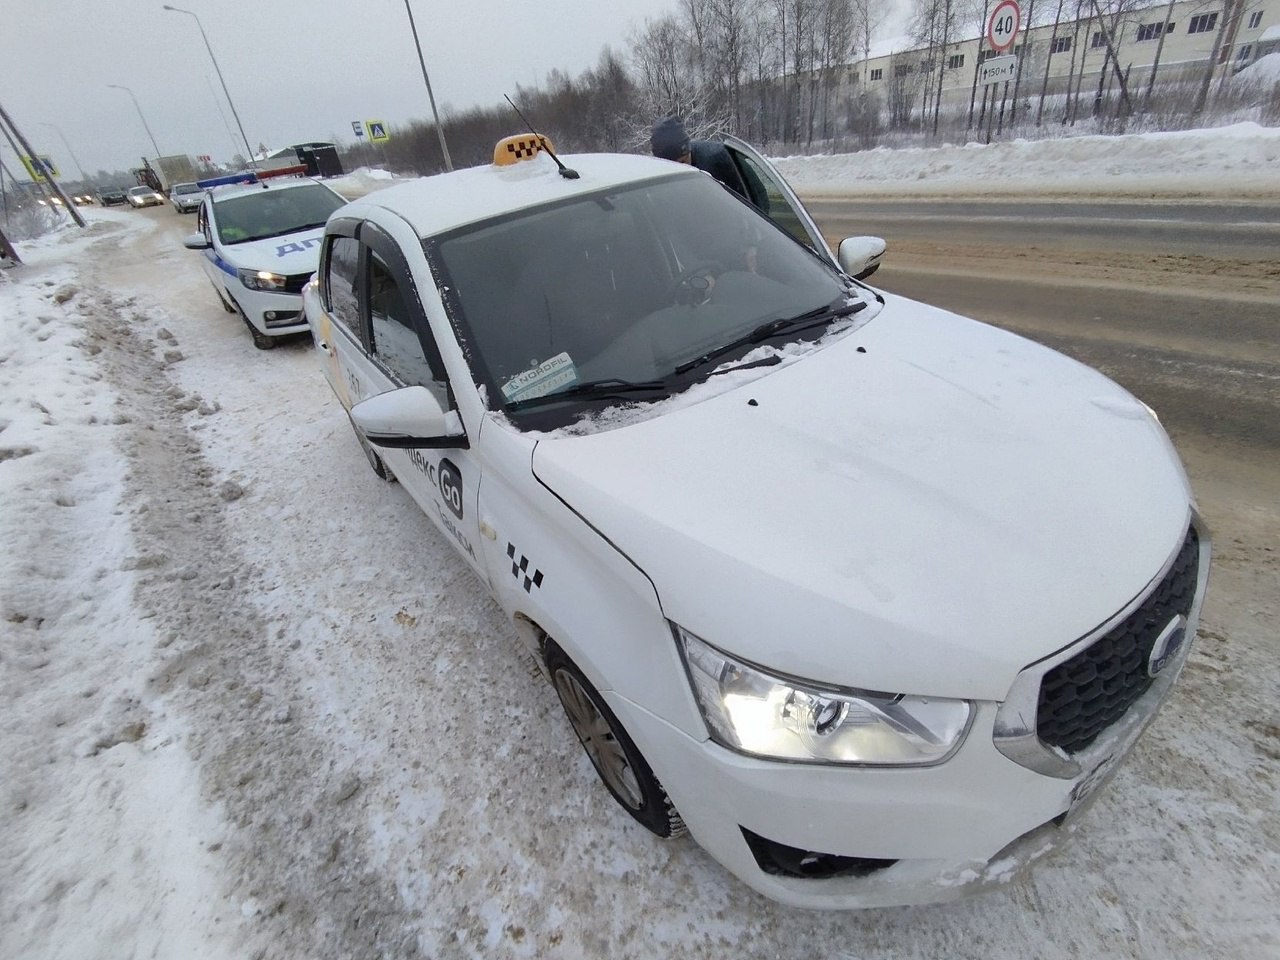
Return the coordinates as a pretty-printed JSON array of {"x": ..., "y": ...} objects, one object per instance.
[
  {"x": 624, "y": 291},
  {"x": 139, "y": 191},
  {"x": 273, "y": 212},
  {"x": 186, "y": 188}
]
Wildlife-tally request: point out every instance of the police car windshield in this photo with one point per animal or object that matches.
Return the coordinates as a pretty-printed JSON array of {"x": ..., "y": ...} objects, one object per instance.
[
  {"x": 626, "y": 286},
  {"x": 273, "y": 212}
]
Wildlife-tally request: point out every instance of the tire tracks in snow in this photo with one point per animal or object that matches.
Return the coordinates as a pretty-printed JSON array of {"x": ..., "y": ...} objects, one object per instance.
[{"x": 295, "y": 849}]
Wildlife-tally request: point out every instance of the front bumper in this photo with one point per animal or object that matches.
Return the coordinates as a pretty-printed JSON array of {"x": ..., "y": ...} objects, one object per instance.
[
  {"x": 275, "y": 314},
  {"x": 845, "y": 837}
]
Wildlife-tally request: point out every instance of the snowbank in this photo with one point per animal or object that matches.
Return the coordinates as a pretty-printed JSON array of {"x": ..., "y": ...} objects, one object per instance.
[{"x": 1240, "y": 160}]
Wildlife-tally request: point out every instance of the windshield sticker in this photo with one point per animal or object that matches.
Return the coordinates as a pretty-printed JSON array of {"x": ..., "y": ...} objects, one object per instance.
[{"x": 540, "y": 380}]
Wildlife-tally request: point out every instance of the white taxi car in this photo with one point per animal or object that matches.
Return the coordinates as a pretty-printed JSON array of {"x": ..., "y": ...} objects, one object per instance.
[
  {"x": 870, "y": 597},
  {"x": 260, "y": 236}
]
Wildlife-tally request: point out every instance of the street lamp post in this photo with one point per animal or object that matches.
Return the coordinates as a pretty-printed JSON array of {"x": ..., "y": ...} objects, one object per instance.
[
  {"x": 444, "y": 148},
  {"x": 116, "y": 86},
  {"x": 248, "y": 149}
]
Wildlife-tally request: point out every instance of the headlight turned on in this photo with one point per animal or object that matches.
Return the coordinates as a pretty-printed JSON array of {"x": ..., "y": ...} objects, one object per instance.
[
  {"x": 751, "y": 711},
  {"x": 261, "y": 279}
]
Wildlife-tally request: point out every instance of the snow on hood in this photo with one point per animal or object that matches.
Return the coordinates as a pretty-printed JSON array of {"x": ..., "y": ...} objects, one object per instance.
[
  {"x": 929, "y": 516},
  {"x": 291, "y": 254}
]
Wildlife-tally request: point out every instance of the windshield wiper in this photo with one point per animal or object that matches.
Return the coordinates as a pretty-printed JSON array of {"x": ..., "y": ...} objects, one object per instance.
[
  {"x": 775, "y": 328},
  {"x": 595, "y": 390}
]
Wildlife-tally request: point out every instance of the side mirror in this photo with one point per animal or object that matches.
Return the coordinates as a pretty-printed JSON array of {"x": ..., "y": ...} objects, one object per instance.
[
  {"x": 860, "y": 256},
  {"x": 196, "y": 241},
  {"x": 408, "y": 418}
]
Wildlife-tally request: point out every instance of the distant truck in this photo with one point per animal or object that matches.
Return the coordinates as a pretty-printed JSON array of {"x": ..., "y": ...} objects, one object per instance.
[{"x": 163, "y": 172}]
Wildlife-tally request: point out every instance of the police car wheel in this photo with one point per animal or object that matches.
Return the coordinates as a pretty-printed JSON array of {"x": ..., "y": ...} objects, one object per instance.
[
  {"x": 618, "y": 761},
  {"x": 260, "y": 339}
]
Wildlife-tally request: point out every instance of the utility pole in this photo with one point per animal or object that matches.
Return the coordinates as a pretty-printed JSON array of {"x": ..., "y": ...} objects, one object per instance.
[
  {"x": 444, "y": 147},
  {"x": 7, "y": 121}
]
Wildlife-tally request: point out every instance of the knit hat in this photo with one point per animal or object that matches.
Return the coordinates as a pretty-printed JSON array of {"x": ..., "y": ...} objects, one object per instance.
[{"x": 669, "y": 140}]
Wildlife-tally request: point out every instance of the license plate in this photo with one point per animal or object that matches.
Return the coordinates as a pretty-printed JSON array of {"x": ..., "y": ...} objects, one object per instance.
[{"x": 1088, "y": 786}]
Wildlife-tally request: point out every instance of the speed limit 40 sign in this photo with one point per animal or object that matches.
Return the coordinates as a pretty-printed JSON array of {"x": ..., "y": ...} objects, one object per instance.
[{"x": 1003, "y": 24}]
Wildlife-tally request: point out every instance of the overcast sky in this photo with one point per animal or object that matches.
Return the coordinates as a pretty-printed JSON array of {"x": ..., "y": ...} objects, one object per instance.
[{"x": 296, "y": 69}]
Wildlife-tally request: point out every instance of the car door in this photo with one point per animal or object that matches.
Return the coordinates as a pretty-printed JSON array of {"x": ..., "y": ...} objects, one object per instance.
[
  {"x": 339, "y": 334},
  {"x": 391, "y": 346},
  {"x": 783, "y": 206},
  {"x": 209, "y": 258}
]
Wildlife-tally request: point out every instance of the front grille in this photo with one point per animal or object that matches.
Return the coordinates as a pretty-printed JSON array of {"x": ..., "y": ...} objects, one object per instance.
[
  {"x": 1081, "y": 697},
  {"x": 295, "y": 283}
]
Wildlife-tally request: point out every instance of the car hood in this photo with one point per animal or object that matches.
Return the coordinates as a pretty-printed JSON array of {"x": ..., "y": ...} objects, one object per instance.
[
  {"x": 928, "y": 516},
  {"x": 291, "y": 254}
]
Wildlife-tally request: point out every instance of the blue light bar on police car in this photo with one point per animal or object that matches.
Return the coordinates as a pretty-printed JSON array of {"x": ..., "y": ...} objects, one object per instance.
[{"x": 223, "y": 181}]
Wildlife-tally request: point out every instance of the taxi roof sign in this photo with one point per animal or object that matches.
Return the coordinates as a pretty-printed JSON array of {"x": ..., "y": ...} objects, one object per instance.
[{"x": 520, "y": 147}]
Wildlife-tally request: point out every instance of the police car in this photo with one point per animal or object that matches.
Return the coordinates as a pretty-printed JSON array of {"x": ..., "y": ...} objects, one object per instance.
[
  {"x": 869, "y": 597},
  {"x": 259, "y": 235}
]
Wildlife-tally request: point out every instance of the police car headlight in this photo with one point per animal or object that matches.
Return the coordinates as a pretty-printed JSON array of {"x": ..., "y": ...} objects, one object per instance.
[
  {"x": 754, "y": 712},
  {"x": 261, "y": 279}
]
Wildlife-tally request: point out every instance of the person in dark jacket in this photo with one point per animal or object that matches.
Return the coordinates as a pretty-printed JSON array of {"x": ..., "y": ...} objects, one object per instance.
[{"x": 669, "y": 141}]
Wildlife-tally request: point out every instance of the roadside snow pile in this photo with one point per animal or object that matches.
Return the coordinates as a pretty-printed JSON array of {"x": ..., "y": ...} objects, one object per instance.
[
  {"x": 362, "y": 181},
  {"x": 1264, "y": 71},
  {"x": 105, "y": 831},
  {"x": 1239, "y": 160}
]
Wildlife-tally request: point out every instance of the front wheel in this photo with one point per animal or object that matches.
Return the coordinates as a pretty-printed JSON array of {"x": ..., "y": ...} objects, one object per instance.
[
  {"x": 613, "y": 753},
  {"x": 260, "y": 339}
]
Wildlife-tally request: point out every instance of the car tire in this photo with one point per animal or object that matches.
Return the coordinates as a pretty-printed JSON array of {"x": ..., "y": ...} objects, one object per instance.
[
  {"x": 223, "y": 300},
  {"x": 379, "y": 465},
  {"x": 621, "y": 766},
  {"x": 260, "y": 339}
]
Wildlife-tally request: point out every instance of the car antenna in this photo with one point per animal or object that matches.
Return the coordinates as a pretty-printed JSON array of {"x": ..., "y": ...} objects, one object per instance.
[{"x": 564, "y": 171}]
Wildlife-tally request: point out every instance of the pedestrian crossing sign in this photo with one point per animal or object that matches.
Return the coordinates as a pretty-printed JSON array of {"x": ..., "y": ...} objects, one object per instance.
[
  {"x": 39, "y": 168},
  {"x": 377, "y": 131}
]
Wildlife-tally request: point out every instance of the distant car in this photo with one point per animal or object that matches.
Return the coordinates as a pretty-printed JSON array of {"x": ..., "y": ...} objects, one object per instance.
[
  {"x": 112, "y": 195},
  {"x": 186, "y": 197},
  {"x": 144, "y": 197},
  {"x": 261, "y": 242},
  {"x": 83, "y": 199}
]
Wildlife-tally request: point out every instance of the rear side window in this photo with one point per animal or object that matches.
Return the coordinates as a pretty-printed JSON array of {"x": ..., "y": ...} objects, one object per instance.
[{"x": 340, "y": 283}]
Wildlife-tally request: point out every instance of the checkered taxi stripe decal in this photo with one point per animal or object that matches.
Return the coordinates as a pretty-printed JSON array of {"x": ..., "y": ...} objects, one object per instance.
[{"x": 520, "y": 570}]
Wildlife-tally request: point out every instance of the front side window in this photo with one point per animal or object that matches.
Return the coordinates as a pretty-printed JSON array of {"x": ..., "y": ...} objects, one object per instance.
[
  {"x": 626, "y": 290},
  {"x": 273, "y": 212},
  {"x": 341, "y": 294},
  {"x": 396, "y": 344}
]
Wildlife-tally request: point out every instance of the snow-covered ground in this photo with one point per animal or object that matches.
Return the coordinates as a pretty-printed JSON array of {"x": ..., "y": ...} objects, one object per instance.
[
  {"x": 250, "y": 705},
  {"x": 1240, "y": 161}
]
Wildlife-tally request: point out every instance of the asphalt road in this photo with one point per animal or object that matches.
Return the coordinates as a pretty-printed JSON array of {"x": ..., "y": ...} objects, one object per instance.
[{"x": 1238, "y": 230}]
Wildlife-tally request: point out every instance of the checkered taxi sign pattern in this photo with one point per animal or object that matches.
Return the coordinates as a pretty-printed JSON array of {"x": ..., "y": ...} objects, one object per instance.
[{"x": 520, "y": 570}]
